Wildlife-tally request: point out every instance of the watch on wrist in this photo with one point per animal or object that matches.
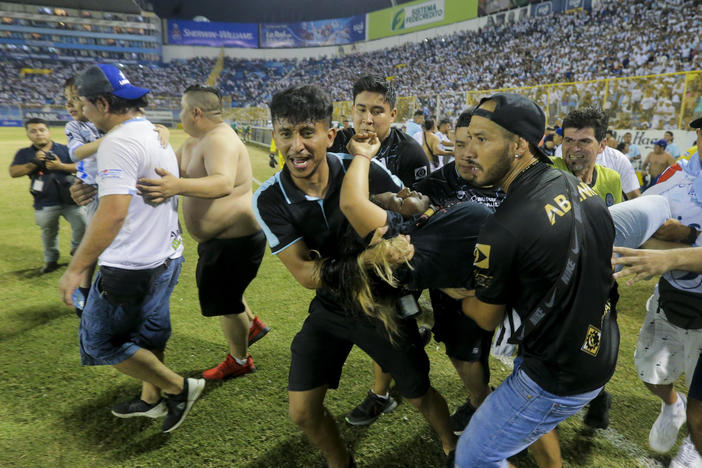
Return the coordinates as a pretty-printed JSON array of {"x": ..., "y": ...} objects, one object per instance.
[{"x": 692, "y": 237}]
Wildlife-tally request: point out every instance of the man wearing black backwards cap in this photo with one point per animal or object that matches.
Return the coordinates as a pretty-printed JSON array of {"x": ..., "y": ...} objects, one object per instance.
[
  {"x": 126, "y": 319},
  {"x": 546, "y": 253}
]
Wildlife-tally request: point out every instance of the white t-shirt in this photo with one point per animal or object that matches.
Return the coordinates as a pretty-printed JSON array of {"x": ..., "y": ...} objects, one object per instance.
[
  {"x": 150, "y": 234},
  {"x": 615, "y": 159}
]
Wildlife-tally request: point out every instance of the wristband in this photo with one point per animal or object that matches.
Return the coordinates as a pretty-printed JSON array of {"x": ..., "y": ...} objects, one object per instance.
[
  {"x": 692, "y": 237},
  {"x": 363, "y": 156}
]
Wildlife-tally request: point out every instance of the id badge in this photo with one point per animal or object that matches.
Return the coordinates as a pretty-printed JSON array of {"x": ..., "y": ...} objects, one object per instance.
[{"x": 37, "y": 185}]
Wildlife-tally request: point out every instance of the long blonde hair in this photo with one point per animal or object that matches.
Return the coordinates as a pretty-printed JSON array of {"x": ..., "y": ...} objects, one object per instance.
[{"x": 357, "y": 278}]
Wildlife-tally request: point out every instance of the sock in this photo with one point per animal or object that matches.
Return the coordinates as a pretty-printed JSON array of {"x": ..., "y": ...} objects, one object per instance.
[
  {"x": 678, "y": 403},
  {"x": 241, "y": 362},
  {"x": 384, "y": 397},
  {"x": 253, "y": 320}
]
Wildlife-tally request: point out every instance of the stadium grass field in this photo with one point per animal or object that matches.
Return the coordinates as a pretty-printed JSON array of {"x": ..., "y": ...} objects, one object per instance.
[{"x": 55, "y": 413}]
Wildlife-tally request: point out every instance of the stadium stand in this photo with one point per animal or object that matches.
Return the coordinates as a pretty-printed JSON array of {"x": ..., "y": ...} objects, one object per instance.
[{"x": 616, "y": 40}]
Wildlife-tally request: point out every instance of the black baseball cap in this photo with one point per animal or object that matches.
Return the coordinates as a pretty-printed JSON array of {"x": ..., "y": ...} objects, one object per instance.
[
  {"x": 105, "y": 78},
  {"x": 697, "y": 123},
  {"x": 519, "y": 115}
]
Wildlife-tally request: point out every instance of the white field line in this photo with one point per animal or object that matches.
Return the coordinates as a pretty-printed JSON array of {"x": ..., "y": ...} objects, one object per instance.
[
  {"x": 258, "y": 182},
  {"x": 612, "y": 436}
]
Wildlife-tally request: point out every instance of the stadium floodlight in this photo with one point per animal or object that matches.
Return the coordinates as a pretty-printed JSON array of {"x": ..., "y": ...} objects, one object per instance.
[{"x": 201, "y": 19}]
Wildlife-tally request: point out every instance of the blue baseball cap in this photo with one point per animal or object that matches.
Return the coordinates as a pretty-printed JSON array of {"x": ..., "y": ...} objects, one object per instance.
[
  {"x": 103, "y": 78},
  {"x": 661, "y": 143}
]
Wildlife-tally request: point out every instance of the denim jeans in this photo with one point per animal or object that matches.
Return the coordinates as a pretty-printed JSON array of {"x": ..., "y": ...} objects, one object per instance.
[
  {"x": 511, "y": 418},
  {"x": 110, "y": 334},
  {"x": 47, "y": 219}
]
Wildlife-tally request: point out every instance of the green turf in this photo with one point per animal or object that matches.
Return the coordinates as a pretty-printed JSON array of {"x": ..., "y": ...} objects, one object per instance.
[{"x": 56, "y": 413}]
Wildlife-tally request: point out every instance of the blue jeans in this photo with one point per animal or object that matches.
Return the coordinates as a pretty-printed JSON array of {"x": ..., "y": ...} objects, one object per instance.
[
  {"x": 511, "y": 418},
  {"x": 47, "y": 219},
  {"x": 110, "y": 334}
]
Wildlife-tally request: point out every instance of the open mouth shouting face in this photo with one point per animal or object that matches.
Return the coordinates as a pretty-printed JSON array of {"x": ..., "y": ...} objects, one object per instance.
[{"x": 304, "y": 145}]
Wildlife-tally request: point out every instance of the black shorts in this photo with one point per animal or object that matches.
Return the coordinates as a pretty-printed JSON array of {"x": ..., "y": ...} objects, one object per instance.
[
  {"x": 463, "y": 338},
  {"x": 321, "y": 347},
  {"x": 225, "y": 268}
]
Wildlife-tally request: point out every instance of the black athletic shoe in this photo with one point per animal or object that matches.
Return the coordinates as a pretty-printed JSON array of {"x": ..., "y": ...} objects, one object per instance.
[
  {"x": 597, "y": 416},
  {"x": 451, "y": 459},
  {"x": 425, "y": 335},
  {"x": 179, "y": 405},
  {"x": 138, "y": 407},
  {"x": 461, "y": 418},
  {"x": 370, "y": 409}
]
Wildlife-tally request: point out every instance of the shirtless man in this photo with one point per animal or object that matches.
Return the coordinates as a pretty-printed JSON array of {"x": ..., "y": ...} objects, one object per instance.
[
  {"x": 216, "y": 189},
  {"x": 657, "y": 161},
  {"x": 432, "y": 145}
]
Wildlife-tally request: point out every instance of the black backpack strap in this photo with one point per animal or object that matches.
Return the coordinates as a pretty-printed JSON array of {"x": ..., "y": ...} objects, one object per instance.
[{"x": 555, "y": 295}]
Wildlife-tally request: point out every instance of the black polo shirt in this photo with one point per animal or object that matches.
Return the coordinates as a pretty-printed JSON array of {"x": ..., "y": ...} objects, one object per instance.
[
  {"x": 443, "y": 242},
  {"x": 287, "y": 215},
  {"x": 445, "y": 188},
  {"x": 55, "y": 184},
  {"x": 521, "y": 252},
  {"x": 398, "y": 152}
]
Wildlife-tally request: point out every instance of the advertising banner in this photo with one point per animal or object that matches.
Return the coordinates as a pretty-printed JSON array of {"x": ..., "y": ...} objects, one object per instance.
[
  {"x": 49, "y": 116},
  {"x": 198, "y": 33},
  {"x": 10, "y": 123},
  {"x": 329, "y": 32},
  {"x": 418, "y": 15},
  {"x": 644, "y": 139},
  {"x": 557, "y": 6}
]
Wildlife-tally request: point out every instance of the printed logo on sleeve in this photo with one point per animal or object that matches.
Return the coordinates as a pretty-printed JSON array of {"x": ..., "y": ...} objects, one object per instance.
[
  {"x": 111, "y": 174},
  {"x": 593, "y": 339},
  {"x": 481, "y": 256},
  {"x": 420, "y": 173}
]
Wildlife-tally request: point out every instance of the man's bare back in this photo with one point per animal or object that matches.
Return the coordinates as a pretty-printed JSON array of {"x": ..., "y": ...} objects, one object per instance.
[{"x": 219, "y": 151}]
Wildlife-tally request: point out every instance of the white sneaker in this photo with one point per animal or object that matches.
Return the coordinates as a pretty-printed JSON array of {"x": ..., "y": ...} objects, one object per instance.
[
  {"x": 687, "y": 456},
  {"x": 664, "y": 431}
]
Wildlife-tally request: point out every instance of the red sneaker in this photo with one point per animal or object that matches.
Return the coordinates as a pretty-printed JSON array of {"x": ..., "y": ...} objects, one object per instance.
[
  {"x": 258, "y": 330},
  {"x": 230, "y": 368}
]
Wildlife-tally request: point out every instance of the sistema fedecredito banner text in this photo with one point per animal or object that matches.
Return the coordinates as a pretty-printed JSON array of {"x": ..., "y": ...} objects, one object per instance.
[
  {"x": 213, "y": 34},
  {"x": 327, "y": 32}
]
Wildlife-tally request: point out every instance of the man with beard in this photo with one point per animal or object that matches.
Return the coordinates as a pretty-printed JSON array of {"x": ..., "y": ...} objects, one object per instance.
[{"x": 546, "y": 252}]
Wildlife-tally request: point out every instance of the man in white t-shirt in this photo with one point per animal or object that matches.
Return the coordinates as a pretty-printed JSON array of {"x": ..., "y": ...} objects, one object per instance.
[{"x": 126, "y": 319}]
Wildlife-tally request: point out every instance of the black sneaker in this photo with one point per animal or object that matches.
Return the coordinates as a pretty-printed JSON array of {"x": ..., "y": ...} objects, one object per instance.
[
  {"x": 49, "y": 267},
  {"x": 451, "y": 459},
  {"x": 179, "y": 405},
  {"x": 138, "y": 407},
  {"x": 425, "y": 334},
  {"x": 597, "y": 416},
  {"x": 370, "y": 409},
  {"x": 461, "y": 418}
]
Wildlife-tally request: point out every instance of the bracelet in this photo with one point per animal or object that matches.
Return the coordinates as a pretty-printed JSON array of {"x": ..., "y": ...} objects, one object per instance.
[
  {"x": 692, "y": 237},
  {"x": 363, "y": 156}
]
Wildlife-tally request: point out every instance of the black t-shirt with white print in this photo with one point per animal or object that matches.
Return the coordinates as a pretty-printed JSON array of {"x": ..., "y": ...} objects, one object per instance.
[{"x": 522, "y": 250}]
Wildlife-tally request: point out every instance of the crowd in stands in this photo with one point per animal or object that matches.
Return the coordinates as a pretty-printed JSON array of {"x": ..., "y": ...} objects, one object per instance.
[
  {"x": 166, "y": 80},
  {"x": 619, "y": 39}
]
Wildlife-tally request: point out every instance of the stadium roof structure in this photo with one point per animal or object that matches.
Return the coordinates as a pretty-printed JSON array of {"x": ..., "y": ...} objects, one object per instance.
[
  {"x": 267, "y": 11},
  {"x": 114, "y": 6}
]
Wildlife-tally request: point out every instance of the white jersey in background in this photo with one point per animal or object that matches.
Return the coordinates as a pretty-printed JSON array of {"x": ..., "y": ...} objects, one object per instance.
[
  {"x": 150, "y": 234},
  {"x": 78, "y": 134}
]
